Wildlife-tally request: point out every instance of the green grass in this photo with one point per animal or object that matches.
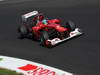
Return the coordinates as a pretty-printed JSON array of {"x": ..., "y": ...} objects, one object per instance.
[
  {"x": 8, "y": 72},
  {"x": 1, "y": 59}
]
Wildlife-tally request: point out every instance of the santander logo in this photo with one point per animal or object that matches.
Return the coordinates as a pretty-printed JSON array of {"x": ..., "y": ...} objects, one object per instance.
[{"x": 36, "y": 70}]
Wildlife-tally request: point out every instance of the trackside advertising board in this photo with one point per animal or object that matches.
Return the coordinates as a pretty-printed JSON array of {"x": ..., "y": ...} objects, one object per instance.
[{"x": 28, "y": 67}]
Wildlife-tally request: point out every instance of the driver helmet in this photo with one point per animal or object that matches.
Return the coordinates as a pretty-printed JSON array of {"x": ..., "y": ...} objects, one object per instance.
[{"x": 40, "y": 17}]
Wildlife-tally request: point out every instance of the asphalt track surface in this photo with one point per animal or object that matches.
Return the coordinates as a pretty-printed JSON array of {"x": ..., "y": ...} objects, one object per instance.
[{"x": 80, "y": 55}]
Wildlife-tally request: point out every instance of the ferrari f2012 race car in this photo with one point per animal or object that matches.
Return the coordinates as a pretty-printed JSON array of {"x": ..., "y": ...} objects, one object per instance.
[{"x": 48, "y": 31}]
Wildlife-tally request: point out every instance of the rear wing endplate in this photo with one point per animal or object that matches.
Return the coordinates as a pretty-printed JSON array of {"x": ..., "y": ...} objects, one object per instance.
[{"x": 25, "y": 16}]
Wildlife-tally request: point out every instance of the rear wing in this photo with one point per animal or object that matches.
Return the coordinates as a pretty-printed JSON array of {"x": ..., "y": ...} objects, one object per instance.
[{"x": 30, "y": 14}]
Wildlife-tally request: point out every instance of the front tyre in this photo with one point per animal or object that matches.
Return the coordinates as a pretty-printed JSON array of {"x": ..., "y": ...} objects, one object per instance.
[
  {"x": 44, "y": 39},
  {"x": 70, "y": 25}
]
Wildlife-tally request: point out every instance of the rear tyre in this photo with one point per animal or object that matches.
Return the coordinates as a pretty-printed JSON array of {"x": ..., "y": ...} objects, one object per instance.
[
  {"x": 70, "y": 25},
  {"x": 23, "y": 31}
]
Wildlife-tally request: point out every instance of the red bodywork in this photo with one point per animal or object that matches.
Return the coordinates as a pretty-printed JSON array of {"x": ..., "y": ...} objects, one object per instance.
[{"x": 53, "y": 24}]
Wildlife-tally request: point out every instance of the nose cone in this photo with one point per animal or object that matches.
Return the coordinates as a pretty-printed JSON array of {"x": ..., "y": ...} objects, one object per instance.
[{"x": 60, "y": 29}]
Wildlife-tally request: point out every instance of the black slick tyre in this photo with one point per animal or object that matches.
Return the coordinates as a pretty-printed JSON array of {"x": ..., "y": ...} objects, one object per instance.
[
  {"x": 44, "y": 38},
  {"x": 23, "y": 31},
  {"x": 70, "y": 25}
]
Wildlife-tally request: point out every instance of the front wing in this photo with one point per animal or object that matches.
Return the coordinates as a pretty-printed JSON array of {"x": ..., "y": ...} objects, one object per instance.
[{"x": 74, "y": 33}]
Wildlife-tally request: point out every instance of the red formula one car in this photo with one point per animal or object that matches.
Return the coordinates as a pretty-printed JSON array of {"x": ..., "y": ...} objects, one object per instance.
[{"x": 48, "y": 31}]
